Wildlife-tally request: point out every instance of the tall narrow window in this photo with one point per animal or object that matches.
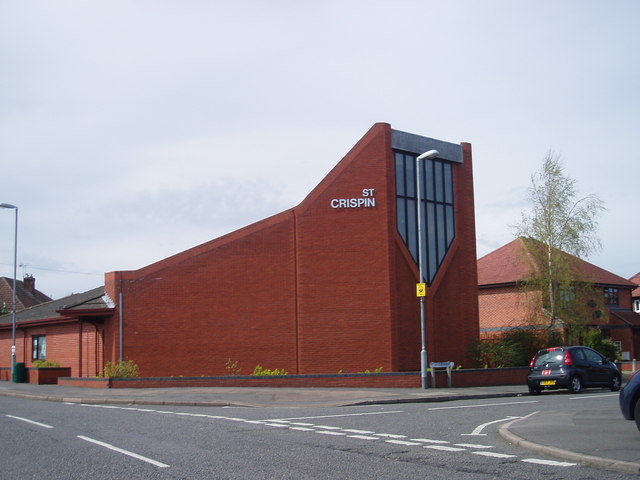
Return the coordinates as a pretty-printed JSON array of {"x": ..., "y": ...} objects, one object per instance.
[
  {"x": 437, "y": 209},
  {"x": 39, "y": 347}
]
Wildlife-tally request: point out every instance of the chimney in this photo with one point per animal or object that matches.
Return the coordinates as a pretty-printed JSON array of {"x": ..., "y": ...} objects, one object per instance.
[{"x": 29, "y": 284}]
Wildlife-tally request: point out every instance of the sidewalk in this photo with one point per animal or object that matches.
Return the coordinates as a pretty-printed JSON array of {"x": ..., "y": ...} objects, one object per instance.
[
  {"x": 253, "y": 397},
  {"x": 537, "y": 433}
]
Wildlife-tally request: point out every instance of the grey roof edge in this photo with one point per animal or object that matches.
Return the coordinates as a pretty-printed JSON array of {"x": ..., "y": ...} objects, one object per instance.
[
  {"x": 411, "y": 142},
  {"x": 50, "y": 309}
]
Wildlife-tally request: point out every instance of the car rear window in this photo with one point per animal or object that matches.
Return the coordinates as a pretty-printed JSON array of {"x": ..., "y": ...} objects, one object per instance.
[{"x": 550, "y": 356}]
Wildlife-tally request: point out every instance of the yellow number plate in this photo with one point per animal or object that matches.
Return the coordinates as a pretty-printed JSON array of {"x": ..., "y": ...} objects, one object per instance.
[{"x": 546, "y": 383}]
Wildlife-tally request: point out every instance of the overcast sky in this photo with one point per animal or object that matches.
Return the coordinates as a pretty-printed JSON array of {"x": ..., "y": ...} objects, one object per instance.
[{"x": 133, "y": 130}]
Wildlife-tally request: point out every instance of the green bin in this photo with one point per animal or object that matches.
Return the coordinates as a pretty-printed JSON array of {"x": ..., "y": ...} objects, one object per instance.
[{"x": 19, "y": 371}]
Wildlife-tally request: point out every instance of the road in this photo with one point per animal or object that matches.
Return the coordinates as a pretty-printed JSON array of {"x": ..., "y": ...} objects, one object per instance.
[{"x": 453, "y": 440}]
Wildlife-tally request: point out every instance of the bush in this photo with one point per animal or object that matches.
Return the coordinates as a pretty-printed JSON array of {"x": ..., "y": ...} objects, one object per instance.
[
  {"x": 124, "y": 369},
  {"x": 513, "y": 348},
  {"x": 259, "y": 371},
  {"x": 45, "y": 364},
  {"x": 606, "y": 346},
  {"x": 232, "y": 367}
]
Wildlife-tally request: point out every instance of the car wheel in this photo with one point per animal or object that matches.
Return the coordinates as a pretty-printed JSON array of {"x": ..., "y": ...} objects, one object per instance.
[
  {"x": 575, "y": 384},
  {"x": 615, "y": 383},
  {"x": 534, "y": 391},
  {"x": 636, "y": 413}
]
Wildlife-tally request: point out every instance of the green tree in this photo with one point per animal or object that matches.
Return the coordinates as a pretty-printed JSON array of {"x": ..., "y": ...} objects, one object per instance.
[{"x": 558, "y": 229}]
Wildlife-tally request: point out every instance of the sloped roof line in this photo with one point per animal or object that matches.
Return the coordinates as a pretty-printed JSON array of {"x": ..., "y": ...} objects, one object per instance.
[
  {"x": 504, "y": 266},
  {"x": 49, "y": 310}
]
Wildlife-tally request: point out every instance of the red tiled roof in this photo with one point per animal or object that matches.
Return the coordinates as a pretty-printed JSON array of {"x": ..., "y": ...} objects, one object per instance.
[
  {"x": 636, "y": 279},
  {"x": 508, "y": 264},
  {"x": 25, "y": 298},
  {"x": 627, "y": 316}
]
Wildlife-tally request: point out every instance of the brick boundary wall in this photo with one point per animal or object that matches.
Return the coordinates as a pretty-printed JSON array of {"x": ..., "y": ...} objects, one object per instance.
[{"x": 460, "y": 378}]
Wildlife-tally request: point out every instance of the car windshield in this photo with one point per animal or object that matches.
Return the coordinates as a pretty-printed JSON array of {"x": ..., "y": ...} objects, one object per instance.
[{"x": 550, "y": 356}]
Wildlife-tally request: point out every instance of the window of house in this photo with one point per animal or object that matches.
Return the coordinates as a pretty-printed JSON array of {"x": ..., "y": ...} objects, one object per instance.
[
  {"x": 437, "y": 209},
  {"x": 636, "y": 306},
  {"x": 611, "y": 296},
  {"x": 39, "y": 347}
]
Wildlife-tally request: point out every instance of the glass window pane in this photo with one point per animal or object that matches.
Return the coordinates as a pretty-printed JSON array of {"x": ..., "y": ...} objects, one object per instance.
[
  {"x": 440, "y": 225},
  {"x": 448, "y": 183},
  {"x": 412, "y": 233},
  {"x": 401, "y": 218},
  {"x": 400, "y": 174},
  {"x": 428, "y": 165},
  {"x": 431, "y": 241},
  {"x": 409, "y": 164},
  {"x": 451, "y": 225},
  {"x": 438, "y": 182}
]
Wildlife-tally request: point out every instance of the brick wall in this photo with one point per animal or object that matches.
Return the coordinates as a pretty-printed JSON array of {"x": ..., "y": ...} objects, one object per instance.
[{"x": 315, "y": 289}]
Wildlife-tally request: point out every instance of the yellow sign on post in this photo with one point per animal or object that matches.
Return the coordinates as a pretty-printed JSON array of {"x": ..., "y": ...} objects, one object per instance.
[{"x": 421, "y": 289}]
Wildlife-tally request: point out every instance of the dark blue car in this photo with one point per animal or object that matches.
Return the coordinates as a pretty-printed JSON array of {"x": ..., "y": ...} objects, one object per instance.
[
  {"x": 629, "y": 396},
  {"x": 573, "y": 368}
]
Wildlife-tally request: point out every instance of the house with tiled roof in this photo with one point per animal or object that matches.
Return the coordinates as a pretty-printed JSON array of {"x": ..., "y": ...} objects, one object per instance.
[
  {"x": 26, "y": 293},
  {"x": 77, "y": 323},
  {"x": 635, "y": 294},
  {"x": 503, "y": 303}
]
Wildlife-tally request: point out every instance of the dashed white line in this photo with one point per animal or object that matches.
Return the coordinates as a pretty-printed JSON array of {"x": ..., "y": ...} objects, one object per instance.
[
  {"x": 364, "y": 437},
  {"x": 403, "y": 442},
  {"x": 444, "y": 448},
  {"x": 548, "y": 462},
  {"x": 125, "y": 452},
  {"x": 494, "y": 454},
  {"x": 43, "y": 425},
  {"x": 472, "y": 445}
]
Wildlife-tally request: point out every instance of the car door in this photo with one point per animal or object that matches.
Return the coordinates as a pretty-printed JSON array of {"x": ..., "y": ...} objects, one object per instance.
[{"x": 597, "y": 368}]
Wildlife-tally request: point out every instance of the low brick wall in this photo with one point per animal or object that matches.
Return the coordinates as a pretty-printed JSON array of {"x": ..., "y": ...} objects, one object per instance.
[
  {"x": 47, "y": 375},
  {"x": 5, "y": 374},
  {"x": 460, "y": 378}
]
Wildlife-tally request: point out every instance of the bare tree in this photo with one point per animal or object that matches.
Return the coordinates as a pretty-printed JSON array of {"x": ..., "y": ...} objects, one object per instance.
[{"x": 558, "y": 223}]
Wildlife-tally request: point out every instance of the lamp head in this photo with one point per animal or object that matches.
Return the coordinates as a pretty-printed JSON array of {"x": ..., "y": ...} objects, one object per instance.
[
  {"x": 429, "y": 154},
  {"x": 7, "y": 205}
]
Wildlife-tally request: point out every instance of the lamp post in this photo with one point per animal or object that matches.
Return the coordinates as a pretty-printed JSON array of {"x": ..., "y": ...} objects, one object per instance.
[
  {"x": 15, "y": 268},
  {"x": 423, "y": 333}
]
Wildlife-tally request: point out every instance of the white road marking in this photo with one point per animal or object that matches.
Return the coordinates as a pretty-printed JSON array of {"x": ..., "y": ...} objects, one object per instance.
[
  {"x": 428, "y": 440},
  {"x": 125, "y": 452},
  {"x": 363, "y": 437},
  {"x": 403, "y": 442},
  {"x": 472, "y": 445},
  {"x": 483, "y": 405},
  {"x": 589, "y": 397},
  {"x": 336, "y": 416},
  {"x": 477, "y": 431},
  {"x": 494, "y": 454},
  {"x": 444, "y": 448},
  {"x": 551, "y": 463},
  {"x": 43, "y": 425},
  {"x": 360, "y": 434}
]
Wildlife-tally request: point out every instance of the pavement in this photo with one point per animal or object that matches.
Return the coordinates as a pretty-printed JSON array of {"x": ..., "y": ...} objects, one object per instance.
[{"x": 612, "y": 448}]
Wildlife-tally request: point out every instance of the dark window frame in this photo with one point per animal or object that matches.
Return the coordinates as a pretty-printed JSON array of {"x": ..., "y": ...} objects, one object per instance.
[
  {"x": 611, "y": 296},
  {"x": 38, "y": 347},
  {"x": 437, "y": 208}
]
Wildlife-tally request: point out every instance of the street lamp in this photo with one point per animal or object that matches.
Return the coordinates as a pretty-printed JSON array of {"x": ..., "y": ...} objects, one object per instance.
[
  {"x": 423, "y": 353},
  {"x": 13, "y": 311}
]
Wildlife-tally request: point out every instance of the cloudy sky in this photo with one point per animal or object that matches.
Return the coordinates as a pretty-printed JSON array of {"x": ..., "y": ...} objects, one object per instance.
[{"x": 133, "y": 130}]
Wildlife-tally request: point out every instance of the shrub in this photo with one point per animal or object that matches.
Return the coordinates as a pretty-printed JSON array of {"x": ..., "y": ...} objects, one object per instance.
[
  {"x": 259, "y": 371},
  {"x": 377, "y": 370},
  {"x": 124, "y": 369},
  {"x": 606, "y": 346},
  {"x": 232, "y": 367},
  {"x": 513, "y": 348},
  {"x": 45, "y": 364}
]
